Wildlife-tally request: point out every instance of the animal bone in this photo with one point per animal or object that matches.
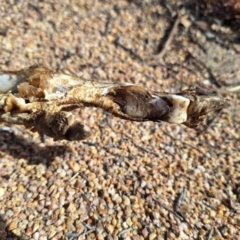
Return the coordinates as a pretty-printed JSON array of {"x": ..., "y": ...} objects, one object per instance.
[{"x": 42, "y": 100}]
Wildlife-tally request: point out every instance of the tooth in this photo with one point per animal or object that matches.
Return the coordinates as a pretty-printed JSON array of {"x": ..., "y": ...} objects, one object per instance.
[
  {"x": 9, "y": 82},
  {"x": 178, "y": 110}
]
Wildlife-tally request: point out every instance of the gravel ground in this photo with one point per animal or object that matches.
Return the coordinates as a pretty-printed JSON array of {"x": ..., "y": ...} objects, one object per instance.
[{"x": 128, "y": 180}]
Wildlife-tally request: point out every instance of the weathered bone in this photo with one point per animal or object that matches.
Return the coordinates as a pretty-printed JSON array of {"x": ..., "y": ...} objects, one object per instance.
[{"x": 43, "y": 100}]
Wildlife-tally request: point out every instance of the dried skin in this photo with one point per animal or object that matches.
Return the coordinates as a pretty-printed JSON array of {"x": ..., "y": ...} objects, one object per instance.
[{"x": 43, "y": 100}]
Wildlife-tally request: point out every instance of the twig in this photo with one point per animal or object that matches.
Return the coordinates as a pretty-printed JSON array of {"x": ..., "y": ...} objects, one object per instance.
[
  {"x": 187, "y": 144},
  {"x": 37, "y": 9},
  {"x": 132, "y": 52},
  {"x": 124, "y": 231},
  {"x": 161, "y": 52},
  {"x": 196, "y": 42},
  {"x": 84, "y": 177},
  {"x": 234, "y": 89},
  {"x": 168, "y": 209},
  {"x": 72, "y": 235},
  {"x": 107, "y": 25},
  {"x": 75, "y": 175},
  {"x": 166, "y": 235},
  {"x": 219, "y": 233},
  {"x": 210, "y": 234},
  {"x": 179, "y": 199},
  {"x": 211, "y": 75},
  {"x": 87, "y": 226},
  {"x": 3, "y": 31},
  {"x": 146, "y": 150},
  {"x": 89, "y": 231},
  {"x": 142, "y": 148},
  {"x": 90, "y": 144}
]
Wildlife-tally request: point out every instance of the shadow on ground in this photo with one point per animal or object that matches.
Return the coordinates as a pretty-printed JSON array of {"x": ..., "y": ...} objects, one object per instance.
[
  {"x": 5, "y": 234},
  {"x": 20, "y": 147},
  {"x": 222, "y": 13}
]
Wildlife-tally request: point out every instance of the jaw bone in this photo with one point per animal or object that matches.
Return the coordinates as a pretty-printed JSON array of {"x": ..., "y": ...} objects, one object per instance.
[{"x": 40, "y": 99}]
